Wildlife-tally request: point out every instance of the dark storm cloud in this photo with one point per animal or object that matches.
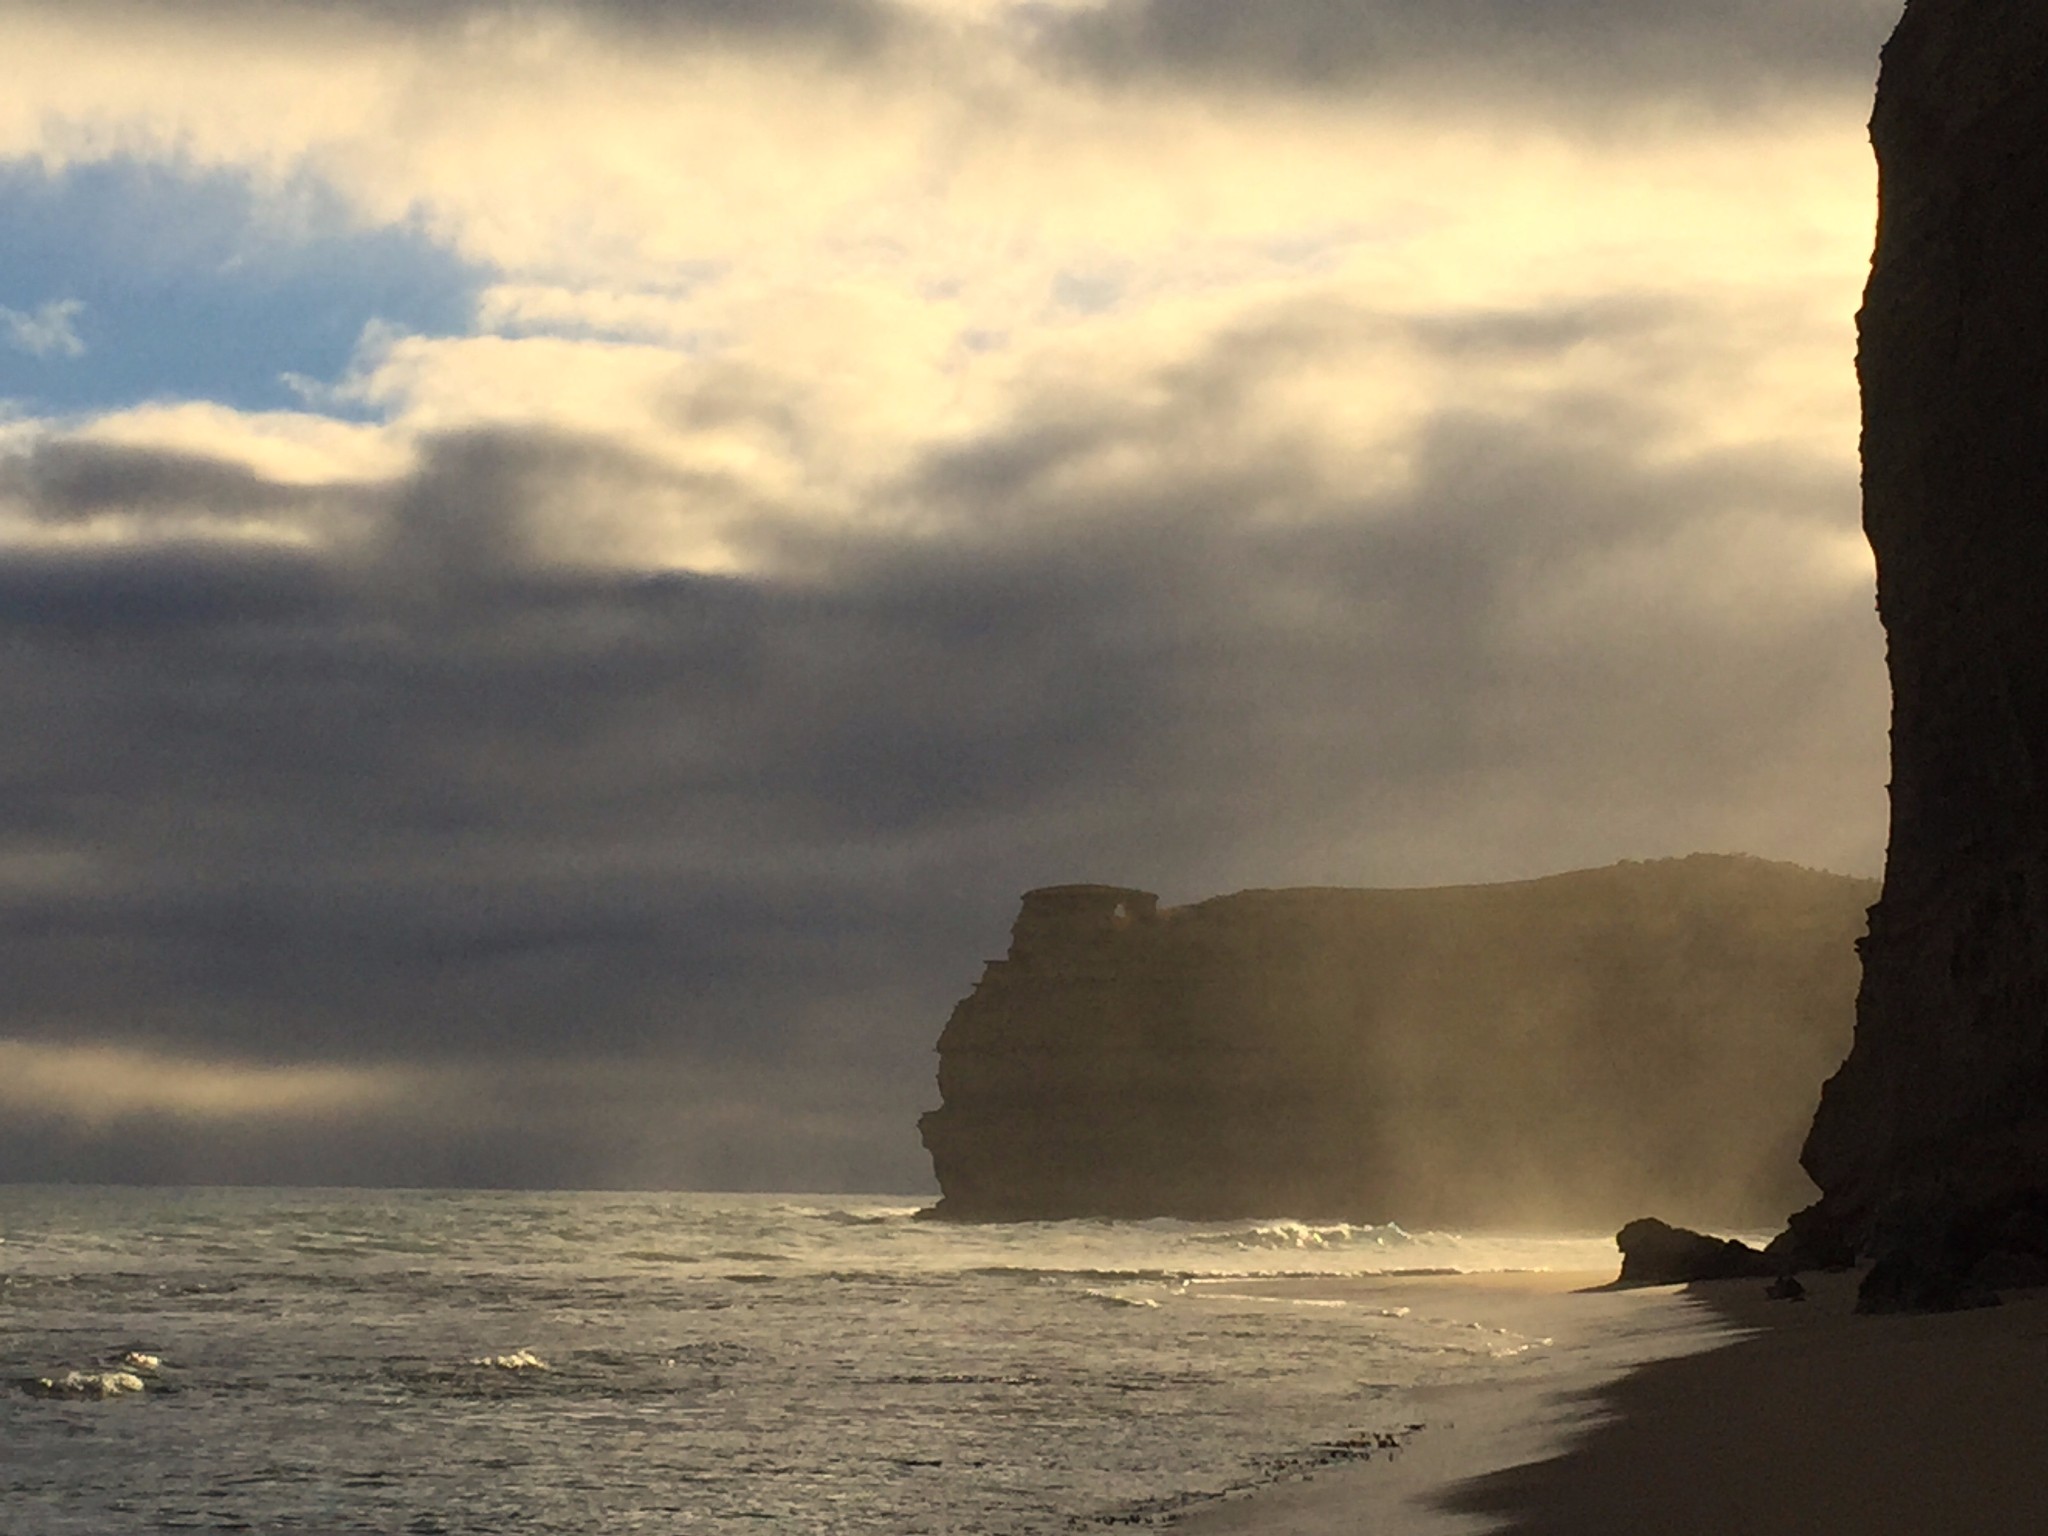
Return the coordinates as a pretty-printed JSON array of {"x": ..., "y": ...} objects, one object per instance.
[
  {"x": 158, "y": 594},
  {"x": 438, "y": 797},
  {"x": 62, "y": 482},
  {"x": 1715, "y": 49},
  {"x": 1546, "y": 331},
  {"x": 857, "y": 26}
]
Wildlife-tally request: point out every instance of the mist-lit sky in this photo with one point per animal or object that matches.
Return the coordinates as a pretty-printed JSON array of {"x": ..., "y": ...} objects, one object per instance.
[{"x": 564, "y": 565}]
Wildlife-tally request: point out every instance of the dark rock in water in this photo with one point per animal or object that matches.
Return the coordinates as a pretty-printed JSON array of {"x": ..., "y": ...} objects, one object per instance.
[
  {"x": 1933, "y": 1136},
  {"x": 1475, "y": 1055},
  {"x": 1785, "y": 1288},
  {"x": 1654, "y": 1252}
]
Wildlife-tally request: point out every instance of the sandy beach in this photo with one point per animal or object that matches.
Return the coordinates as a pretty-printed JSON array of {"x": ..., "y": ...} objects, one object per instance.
[
  {"x": 1670, "y": 1410},
  {"x": 1588, "y": 1339}
]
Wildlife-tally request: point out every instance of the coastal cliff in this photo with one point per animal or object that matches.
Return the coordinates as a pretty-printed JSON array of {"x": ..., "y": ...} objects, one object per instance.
[
  {"x": 1563, "y": 1051},
  {"x": 1934, "y": 1134}
]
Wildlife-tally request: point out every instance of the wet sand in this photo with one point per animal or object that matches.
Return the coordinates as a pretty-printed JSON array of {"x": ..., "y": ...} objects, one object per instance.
[
  {"x": 1528, "y": 1412},
  {"x": 1672, "y": 1411},
  {"x": 1825, "y": 1422}
]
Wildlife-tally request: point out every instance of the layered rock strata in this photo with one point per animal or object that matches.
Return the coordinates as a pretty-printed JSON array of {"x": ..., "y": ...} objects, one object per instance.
[
  {"x": 1570, "y": 1050},
  {"x": 1931, "y": 1143}
]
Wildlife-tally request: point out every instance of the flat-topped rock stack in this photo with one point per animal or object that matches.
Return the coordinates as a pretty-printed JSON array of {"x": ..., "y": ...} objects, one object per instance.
[{"x": 1570, "y": 1050}]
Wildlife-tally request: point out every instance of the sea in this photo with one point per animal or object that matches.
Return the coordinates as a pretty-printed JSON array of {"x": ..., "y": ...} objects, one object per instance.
[{"x": 424, "y": 1362}]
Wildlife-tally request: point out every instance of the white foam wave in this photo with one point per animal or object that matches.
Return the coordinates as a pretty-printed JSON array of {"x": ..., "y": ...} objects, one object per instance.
[
  {"x": 518, "y": 1360},
  {"x": 1255, "y": 1299},
  {"x": 1303, "y": 1236},
  {"x": 1120, "y": 1298},
  {"x": 85, "y": 1384}
]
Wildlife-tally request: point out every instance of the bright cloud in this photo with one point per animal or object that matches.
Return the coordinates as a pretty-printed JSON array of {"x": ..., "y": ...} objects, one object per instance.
[
  {"x": 794, "y": 271},
  {"x": 93, "y": 1086}
]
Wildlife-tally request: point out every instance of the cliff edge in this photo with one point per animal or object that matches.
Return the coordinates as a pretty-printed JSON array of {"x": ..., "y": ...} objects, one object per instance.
[
  {"x": 1557, "y": 1052},
  {"x": 1933, "y": 1136}
]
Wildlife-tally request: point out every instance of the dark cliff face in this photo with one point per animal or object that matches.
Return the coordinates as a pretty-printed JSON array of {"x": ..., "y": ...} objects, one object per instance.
[
  {"x": 1565, "y": 1051},
  {"x": 1941, "y": 1103}
]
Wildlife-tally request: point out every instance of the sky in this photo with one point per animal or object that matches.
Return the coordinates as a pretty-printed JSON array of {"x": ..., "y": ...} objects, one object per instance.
[{"x": 563, "y": 565}]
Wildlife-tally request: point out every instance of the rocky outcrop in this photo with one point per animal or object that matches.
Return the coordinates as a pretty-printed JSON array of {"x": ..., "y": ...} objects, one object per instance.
[
  {"x": 1656, "y": 1253},
  {"x": 1564, "y": 1051},
  {"x": 1931, "y": 1143}
]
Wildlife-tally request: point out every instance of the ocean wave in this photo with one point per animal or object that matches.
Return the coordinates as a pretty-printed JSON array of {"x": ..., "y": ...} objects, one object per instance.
[
  {"x": 1118, "y": 1298},
  {"x": 1328, "y": 1303},
  {"x": 866, "y": 1218},
  {"x": 84, "y": 1385},
  {"x": 1052, "y": 1274},
  {"x": 796, "y": 1402},
  {"x": 1302, "y": 1236},
  {"x": 518, "y": 1360}
]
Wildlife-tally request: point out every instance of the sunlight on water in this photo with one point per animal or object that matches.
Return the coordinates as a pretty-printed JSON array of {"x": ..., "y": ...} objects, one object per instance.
[{"x": 596, "y": 1363}]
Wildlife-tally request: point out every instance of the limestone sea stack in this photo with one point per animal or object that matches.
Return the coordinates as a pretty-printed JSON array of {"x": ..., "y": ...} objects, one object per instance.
[
  {"x": 1564, "y": 1051},
  {"x": 1933, "y": 1137}
]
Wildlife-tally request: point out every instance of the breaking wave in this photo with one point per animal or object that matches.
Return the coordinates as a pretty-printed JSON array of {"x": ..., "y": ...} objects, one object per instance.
[
  {"x": 1120, "y": 1299},
  {"x": 1302, "y": 1236},
  {"x": 84, "y": 1384},
  {"x": 518, "y": 1360}
]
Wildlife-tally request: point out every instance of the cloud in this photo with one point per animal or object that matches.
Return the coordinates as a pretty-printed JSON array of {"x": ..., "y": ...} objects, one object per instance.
[
  {"x": 48, "y": 332},
  {"x": 93, "y": 1086},
  {"x": 463, "y": 784},
  {"x": 1720, "y": 53},
  {"x": 812, "y": 472},
  {"x": 118, "y": 1114},
  {"x": 859, "y": 24},
  {"x": 73, "y": 481},
  {"x": 574, "y": 160}
]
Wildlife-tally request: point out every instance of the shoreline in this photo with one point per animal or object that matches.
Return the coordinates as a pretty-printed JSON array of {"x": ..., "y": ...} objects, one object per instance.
[
  {"x": 1588, "y": 1339},
  {"x": 1705, "y": 1409},
  {"x": 1819, "y": 1422}
]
